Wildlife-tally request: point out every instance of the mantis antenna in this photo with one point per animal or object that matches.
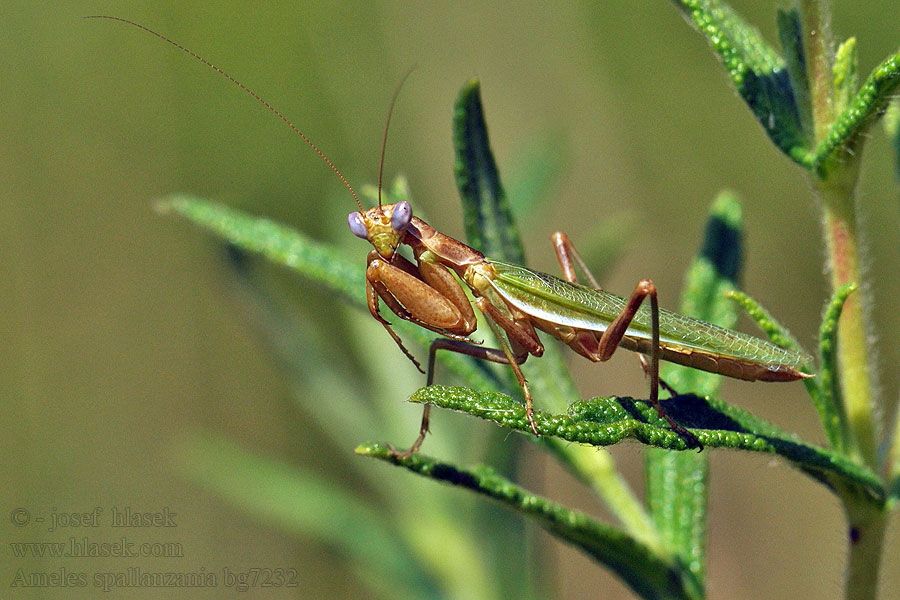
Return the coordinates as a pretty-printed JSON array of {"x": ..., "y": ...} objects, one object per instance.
[
  {"x": 257, "y": 97},
  {"x": 387, "y": 124}
]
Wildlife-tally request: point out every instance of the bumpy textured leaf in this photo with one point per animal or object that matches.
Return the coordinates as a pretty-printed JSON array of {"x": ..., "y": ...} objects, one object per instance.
[
  {"x": 845, "y": 75},
  {"x": 757, "y": 71},
  {"x": 607, "y": 421},
  {"x": 490, "y": 226},
  {"x": 776, "y": 91},
  {"x": 488, "y": 221},
  {"x": 790, "y": 32},
  {"x": 832, "y": 406},
  {"x": 848, "y": 133},
  {"x": 677, "y": 481},
  {"x": 648, "y": 574}
]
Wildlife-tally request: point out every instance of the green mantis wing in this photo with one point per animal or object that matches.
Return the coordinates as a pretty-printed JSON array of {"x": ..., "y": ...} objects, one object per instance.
[{"x": 557, "y": 301}]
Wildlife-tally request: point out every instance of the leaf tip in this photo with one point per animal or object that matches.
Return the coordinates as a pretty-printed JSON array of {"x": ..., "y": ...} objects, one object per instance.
[
  {"x": 369, "y": 449},
  {"x": 727, "y": 208},
  {"x": 163, "y": 206}
]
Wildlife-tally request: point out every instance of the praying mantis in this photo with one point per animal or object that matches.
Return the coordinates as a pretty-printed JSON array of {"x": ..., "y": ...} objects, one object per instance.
[{"x": 430, "y": 291}]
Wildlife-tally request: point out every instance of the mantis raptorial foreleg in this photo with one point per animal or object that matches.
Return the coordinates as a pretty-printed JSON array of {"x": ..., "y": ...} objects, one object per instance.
[
  {"x": 601, "y": 348},
  {"x": 427, "y": 295}
]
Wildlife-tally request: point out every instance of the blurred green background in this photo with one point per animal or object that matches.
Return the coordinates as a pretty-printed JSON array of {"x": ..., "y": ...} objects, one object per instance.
[{"x": 124, "y": 335}]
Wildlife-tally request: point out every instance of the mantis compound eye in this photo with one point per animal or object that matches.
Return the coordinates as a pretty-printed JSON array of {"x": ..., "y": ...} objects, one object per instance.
[
  {"x": 357, "y": 225},
  {"x": 401, "y": 216}
]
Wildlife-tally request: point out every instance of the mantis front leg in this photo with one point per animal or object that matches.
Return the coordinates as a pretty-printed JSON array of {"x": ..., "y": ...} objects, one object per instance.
[{"x": 427, "y": 295}]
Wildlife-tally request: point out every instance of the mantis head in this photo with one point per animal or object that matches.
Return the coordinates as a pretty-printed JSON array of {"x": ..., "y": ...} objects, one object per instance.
[{"x": 382, "y": 226}]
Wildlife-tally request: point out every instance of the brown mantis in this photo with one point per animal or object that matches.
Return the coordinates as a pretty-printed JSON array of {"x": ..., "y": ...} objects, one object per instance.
[{"x": 429, "y": 291}]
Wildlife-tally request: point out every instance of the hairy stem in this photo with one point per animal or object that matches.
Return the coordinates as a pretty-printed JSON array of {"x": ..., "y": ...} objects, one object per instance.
[
  {"x": 819, "y": 57},
  {"x": 841, "y": 235},
  {"x": 866, "y": 537},
  {"x": 835, "y": 185}
]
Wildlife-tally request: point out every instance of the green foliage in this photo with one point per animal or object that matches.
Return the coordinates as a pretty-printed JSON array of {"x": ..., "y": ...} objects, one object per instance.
[
  {"x": 291, "y": 499},
  {"x": 488, "y": 220},
  {"x": 659, "y": 550},
  {"x": 777, "y": 89},
  {"x": 649, "y": 574},
  {"x": 608, "y": 421},
  {"x": 759, "y": 74},
  {"x": 809, "y": 105}
]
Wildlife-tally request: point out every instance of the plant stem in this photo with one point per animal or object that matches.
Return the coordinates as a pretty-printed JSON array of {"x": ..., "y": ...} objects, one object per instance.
[
  {"x": 835, "y": 185},
  {"x": 817, "y": 46},
  {"x": 841, "y": 235},
  {"x": 598, "y": 471},
  {"x": 866, "y": 536}
]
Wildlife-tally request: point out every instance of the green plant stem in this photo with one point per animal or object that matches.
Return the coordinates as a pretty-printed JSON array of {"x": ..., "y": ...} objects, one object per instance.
[
  {"x": 598, "y": 470},
  {"x": 819, "y": 60},
  {"x": 841, "y": 236},
  {"x": 893, "y": 461},
  {"x": 867, "y": 524},
  {"x": 835, "y": 184}
]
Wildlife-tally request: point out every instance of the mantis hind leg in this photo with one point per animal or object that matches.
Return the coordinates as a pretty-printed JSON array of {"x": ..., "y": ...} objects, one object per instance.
[{"x": 569, "y": 258}]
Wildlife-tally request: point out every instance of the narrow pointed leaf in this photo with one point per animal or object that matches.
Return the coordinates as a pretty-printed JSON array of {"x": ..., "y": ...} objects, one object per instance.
[
  {"x": 775, "y": 331},
  {"x": 847, "y": 134},
  {"x": 791, "y": 34},
  {"x": 832, "y": 406},
  {"x": 488, "y": 221},
  {"x": 845, "y": 75},
  {"x": 648, "y": 575},
  {"x": 607, "y": 421},
  {"x": 278, "y": 243},
  {"x": 490, "y": 227},
  {"x": 677, "y": 481},
  {"x": 757, "y": 71},
  {"x": 779, "y": 334}
]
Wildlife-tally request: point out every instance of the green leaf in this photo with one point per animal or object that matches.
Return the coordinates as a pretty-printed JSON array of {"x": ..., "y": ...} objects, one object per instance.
[
  {"x": 677, "y": 482},
  {"x": 779, "y": 334},
  {"x": 316, "y": 260},
  {"x": 276, "y": 242},
  {"x": 607, "y": 421},
  {"x": 488, "y": 221},
  {"x": 790, "y": 32},
  {"x": 757, "y": 71},
  {"x": 845, "y": 75},
  {"x": 832, "y": 410},
  {"x": 775, "y": 331},
  {"x": 305, "y": 505},
  {"x": 490, "y": 226},
  {"x": 648, "y": 575},
  {"x": 848, "y": 133}
]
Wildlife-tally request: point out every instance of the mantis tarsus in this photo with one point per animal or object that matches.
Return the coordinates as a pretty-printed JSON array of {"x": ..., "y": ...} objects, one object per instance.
[{"x": 517, "y": 301}]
